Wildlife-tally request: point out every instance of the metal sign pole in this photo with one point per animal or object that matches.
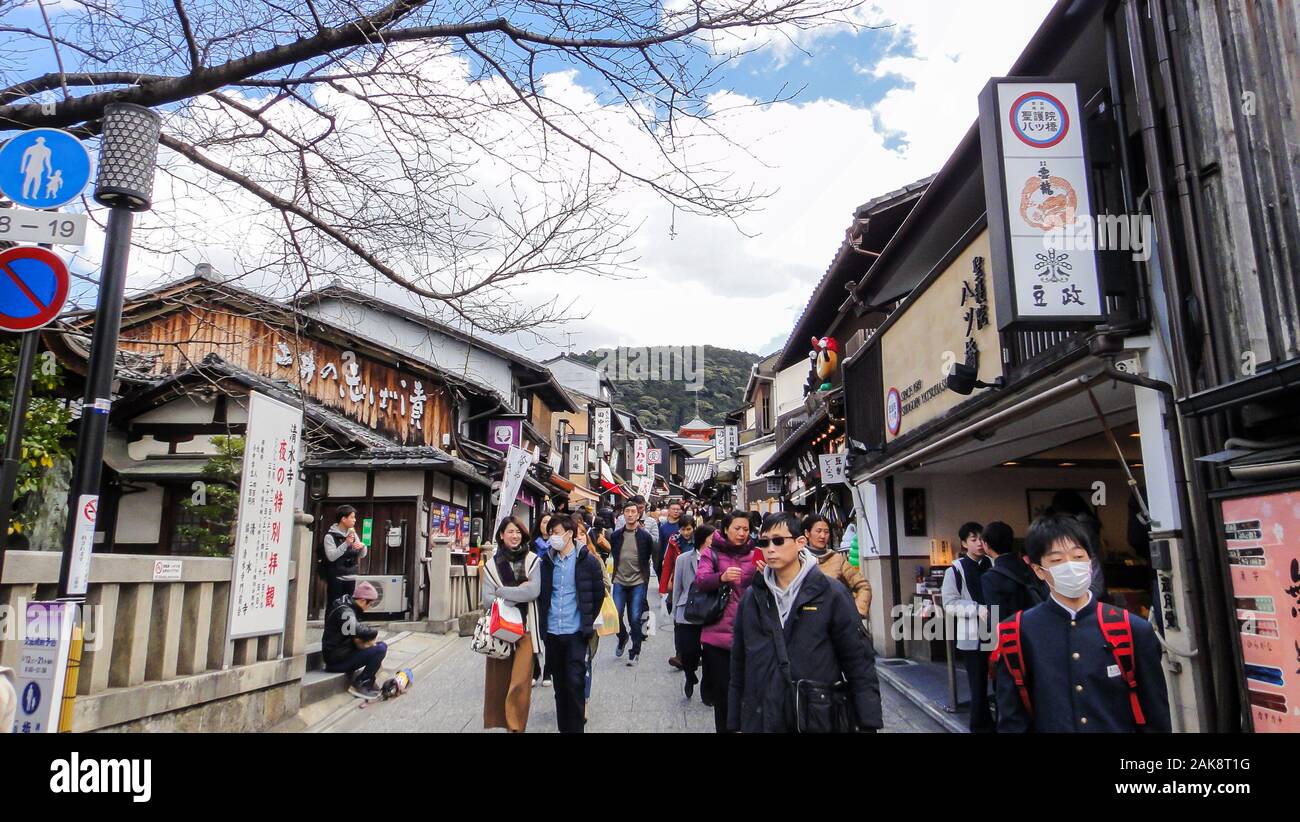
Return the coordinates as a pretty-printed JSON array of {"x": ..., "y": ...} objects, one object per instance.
[{"x": 14, "y": 436}]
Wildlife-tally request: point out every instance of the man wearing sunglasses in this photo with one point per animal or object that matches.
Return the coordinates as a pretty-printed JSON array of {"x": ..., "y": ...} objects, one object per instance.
[{"x": 795, "y": 612}]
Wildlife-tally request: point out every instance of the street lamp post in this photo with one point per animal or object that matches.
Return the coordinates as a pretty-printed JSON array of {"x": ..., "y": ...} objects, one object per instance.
[{"x": 128, "y": 156}]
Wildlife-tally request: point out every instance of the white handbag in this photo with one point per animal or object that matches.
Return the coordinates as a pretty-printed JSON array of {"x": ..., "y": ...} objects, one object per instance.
[{"x": 486, "y": 644}]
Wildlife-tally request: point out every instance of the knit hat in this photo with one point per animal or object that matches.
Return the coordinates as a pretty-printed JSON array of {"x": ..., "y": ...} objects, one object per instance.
[{"x": 365, "y": 590}]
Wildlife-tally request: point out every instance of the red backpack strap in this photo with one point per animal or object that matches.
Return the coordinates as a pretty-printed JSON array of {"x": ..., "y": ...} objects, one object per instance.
[
  {"x": 1011, "y": 654},
  {"x": 1117, "y": 628}
]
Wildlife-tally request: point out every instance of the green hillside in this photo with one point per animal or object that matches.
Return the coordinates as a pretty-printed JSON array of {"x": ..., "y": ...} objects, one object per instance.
[{"x": 667, "y": 403}]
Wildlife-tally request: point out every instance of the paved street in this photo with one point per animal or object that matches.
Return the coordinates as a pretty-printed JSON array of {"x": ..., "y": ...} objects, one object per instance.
[{"x": 448, "y": 696}]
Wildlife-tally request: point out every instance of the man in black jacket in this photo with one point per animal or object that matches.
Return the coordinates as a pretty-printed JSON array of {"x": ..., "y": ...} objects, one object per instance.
[
  {"x": 573, "y": 589},
  {"x": 820, "y": 631},
  {"x": 1009, "y": 586},
  {"x": 348, "y": 644}
]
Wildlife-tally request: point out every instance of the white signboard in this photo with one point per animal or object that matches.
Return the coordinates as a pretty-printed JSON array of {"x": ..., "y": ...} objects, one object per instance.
[
  {"x": 19, "y": 225},
  {"x": 166, "y": 570},
  {"x": 259, "y": 587},
  {"x": 577, "y": 457},
  {"x": 655, "y": 456},
  {"x": 640, "y": 465},
  {"x": 1040, "y": 210},
  {"x": 42, "y": 666},
  {"x": 833, "y": 468},
  {"x": 601, "y": 430},
  {"x": 517, "y": 462},
  {"x": 556, "y": 460},
  {"x": 83, "y": 543},
  {"x": 645, "y": 486},
  {"x": 733, "y": 441}
]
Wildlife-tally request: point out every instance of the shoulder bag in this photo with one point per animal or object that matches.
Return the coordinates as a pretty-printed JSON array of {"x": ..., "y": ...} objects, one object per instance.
[
  {"x": 484, "y": 642},
  {"x": 816, "y": 707},
  {"x": 707, "y": 607}
]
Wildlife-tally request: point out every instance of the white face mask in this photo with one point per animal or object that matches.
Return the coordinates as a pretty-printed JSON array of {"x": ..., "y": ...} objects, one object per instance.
[
  {"x": 1071, "y": 579},
  {"x": 557, "y": 542}
]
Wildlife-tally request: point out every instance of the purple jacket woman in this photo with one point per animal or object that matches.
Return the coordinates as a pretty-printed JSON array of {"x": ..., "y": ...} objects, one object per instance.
[{"x": 716, "y": 558}]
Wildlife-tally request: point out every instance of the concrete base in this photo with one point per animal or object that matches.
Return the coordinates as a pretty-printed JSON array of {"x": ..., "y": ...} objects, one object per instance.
[
  {"x": 467, "y": 622},
  {"x": 246, "y": 713}
]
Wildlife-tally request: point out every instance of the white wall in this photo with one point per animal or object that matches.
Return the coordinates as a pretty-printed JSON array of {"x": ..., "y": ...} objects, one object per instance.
[
  {"x": 577, "y": 376},
  {"x": 145, "y": 446},
  {"x": 788, "y": 387},
  {"x": 139, "y": 516},
  {"x": 434, "y": 348},
  {"x": 347, "y": 484},
  {"x": 399, "y": 483},
  {"x": 190, "y": 409}
]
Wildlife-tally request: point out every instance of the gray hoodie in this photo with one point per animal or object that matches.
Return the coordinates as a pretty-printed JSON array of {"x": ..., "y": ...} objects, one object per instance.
[{"x": 785, "y": 598}]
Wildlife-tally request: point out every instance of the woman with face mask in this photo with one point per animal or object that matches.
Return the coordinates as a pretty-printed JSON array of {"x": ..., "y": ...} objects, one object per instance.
[
  {"x": 513, "y": 576},
  {"x": 727, "y": 560}
]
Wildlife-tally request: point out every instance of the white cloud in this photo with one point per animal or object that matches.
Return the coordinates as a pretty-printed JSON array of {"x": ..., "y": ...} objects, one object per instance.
[{"x": 698, "y": 280}]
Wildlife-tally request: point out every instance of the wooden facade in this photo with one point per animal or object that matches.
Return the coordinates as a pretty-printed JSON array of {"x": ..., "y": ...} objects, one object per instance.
[{"x": 397, "y": 401}]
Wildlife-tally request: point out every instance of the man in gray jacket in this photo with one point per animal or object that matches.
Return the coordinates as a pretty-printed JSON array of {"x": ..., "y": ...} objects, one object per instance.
[
  {"x": 341, "y": 549},
  {"x": 686, "y": 635}
]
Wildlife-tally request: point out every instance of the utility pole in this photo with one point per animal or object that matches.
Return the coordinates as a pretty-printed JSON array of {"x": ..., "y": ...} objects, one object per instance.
[{"x": 128, "y": 157}]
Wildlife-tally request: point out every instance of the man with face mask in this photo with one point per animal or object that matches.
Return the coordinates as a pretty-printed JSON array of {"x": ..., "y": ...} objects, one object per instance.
[{"x": 1072, "y": 664}]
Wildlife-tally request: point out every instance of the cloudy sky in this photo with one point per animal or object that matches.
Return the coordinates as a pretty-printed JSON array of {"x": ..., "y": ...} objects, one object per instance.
[{"x": 875, "y": 109}]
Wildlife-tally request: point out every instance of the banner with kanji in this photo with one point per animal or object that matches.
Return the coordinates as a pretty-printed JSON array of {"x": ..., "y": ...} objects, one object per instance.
[{"x": 259, "y": 587}]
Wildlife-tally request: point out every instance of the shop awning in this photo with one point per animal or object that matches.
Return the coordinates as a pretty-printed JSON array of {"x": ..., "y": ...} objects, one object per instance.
[{"x": 698, "y": 470}]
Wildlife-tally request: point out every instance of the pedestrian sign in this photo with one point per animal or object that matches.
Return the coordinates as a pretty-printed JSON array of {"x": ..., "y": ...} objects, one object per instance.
[
  {"x": 33, "y": 288},
  {"x": 44, "y": 168}
]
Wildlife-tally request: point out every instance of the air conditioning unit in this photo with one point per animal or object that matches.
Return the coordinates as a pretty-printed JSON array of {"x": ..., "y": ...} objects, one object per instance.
[{"x": 392, "y": 593}]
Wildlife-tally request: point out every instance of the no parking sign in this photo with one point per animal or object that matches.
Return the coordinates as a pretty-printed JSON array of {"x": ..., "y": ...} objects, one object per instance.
[{"x": 33, "y": 288}]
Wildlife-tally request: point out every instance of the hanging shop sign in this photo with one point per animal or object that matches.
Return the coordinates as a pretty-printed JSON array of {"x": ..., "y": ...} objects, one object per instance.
[
  {"x": 640, "y": 456},
  {"x": 601, "y": 430},
  {"x": 655, "y": 456},
  {"x": 834, "y": 468},
  {"x": 1262, "y": 537},
  {"x": 948, "y": 320},
  {"x": 577, "y": 456},
  {"x": 1040, "y": 212},
  {"x": 517, "y": 462},
  {"x": 503, "y": 433}
]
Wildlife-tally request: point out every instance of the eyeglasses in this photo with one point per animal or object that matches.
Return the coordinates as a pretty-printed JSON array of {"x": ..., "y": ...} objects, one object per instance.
[{"x": 762, "y": 542}]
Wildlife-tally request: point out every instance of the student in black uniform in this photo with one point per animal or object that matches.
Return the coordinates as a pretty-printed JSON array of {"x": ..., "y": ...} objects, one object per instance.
[
  {"x": 1071, "y": 664},
  {"x": 963, "y": 598},
  {"x": 1009, "y": 586}
]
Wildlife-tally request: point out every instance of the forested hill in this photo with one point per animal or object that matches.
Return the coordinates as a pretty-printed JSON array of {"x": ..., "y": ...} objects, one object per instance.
[{"x": 668, "y": 402}]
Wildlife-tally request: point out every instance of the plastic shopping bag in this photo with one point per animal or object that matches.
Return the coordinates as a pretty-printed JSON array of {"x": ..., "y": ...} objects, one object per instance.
[
  {"x": 507, "y": 623},
  {"x": 607, "y": 622}
]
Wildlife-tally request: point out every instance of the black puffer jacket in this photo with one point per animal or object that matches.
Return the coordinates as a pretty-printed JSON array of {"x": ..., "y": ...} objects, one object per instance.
[
  {"x": 588, "y": 577},
  {"x": 825, "y": 641},
  {"x": 342, "y": 625}
]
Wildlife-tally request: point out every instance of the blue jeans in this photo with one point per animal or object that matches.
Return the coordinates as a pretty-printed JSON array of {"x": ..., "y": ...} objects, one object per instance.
[
  {"x": 367, "y": 659},
  {"x": 630, "y": 599}
]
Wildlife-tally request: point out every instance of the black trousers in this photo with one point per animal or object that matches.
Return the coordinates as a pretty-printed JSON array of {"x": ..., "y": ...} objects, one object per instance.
[
  {"x": 686, "y": 641},
  {"x": 977, "y": 676},
  {"x": 336, "y": 588},
  {"x": 566, "y": 656},
  {"x": 717, "y": 681}
]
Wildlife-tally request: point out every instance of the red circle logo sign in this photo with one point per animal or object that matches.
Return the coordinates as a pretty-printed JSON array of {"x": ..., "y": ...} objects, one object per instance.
[
  {"x": 1039, "y": 120},
  {"x": 33, "y": 288},
  {"x": 893, "y": 411}
]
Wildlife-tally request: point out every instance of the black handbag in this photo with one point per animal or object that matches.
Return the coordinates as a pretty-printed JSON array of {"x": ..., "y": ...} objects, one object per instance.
[
  {"x": 816, "y": 707},
  {"x": 706, "y": 607}
]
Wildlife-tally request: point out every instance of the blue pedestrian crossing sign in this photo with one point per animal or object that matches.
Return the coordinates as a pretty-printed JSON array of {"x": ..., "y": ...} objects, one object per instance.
[{"x": 44, "y": 168}]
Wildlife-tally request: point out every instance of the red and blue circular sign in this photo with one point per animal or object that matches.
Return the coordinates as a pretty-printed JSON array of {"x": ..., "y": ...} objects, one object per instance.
[
  {"x": 893, "y": 411},
  {"x": 33, "y": 288},
  {"x": 1039, "y": 120}
]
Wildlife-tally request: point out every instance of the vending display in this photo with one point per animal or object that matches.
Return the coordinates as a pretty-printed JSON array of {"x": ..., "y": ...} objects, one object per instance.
[{"x": 1262, "y": 541}]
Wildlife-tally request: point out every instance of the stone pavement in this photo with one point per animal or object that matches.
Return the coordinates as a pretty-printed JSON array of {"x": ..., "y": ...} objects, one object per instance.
[{"x": 448, "y": 696}]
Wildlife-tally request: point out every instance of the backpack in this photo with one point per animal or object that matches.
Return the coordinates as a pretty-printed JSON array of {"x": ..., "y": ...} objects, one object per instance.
[
  {"x": 1035, "y": 595},
  {"x": 1116, "y": 629}
]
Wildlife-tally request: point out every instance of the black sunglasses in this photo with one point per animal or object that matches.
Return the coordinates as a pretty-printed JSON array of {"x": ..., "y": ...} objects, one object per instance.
[{"x": 762, "y": 542}]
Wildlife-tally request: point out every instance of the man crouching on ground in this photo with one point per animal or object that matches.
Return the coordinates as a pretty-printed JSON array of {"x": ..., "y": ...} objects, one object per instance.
[{"x": 349, "y": 644}]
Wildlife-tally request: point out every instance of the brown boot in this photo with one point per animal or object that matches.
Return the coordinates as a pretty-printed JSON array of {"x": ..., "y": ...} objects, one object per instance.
[{"x": 675, "y": 662}]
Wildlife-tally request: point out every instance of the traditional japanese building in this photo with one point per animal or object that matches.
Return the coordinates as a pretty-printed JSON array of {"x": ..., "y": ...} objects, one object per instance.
[{"x": 390, "y": 426}]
